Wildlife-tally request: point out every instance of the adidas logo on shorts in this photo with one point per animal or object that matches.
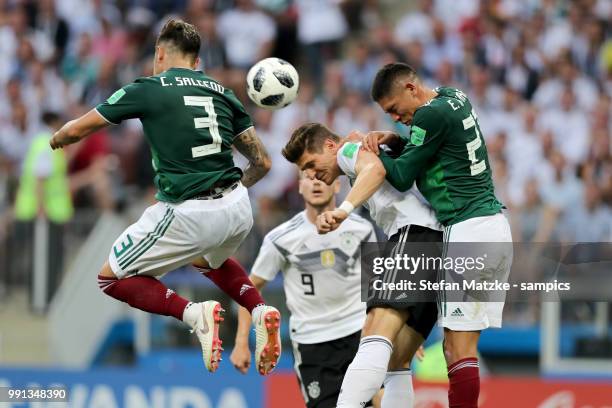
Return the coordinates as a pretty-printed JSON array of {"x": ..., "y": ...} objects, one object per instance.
[
  {"x": 244, "y": 288},
  {"x": 401, "y": 296},
  {"x": 457, "y": 313}
]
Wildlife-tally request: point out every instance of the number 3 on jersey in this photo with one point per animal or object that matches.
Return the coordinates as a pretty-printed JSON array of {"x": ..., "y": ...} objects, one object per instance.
[
  {"x": 477, "y": 166},
  {"x": 209, "y": 123}
]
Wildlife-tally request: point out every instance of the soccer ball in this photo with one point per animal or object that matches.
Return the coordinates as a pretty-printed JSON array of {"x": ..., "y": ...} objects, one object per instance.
[{"x": 272, "y": 83}]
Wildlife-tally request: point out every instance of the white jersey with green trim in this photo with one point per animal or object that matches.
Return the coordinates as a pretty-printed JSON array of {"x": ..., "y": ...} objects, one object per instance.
[{"x": 389, "y": 208}]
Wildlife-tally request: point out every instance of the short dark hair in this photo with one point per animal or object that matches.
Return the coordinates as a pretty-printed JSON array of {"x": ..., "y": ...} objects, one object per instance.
[
  {"x": 308, "y": 137},
  {"x": 181, "y": 35},
  {"x": 49, "y": 118},
  {"x": 387, "y": 76}
]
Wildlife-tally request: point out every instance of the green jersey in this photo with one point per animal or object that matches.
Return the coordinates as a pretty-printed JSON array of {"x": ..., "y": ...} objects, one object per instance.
[
  {"x": 447, "y": 157},
  {"x": 190, "y": 122}
]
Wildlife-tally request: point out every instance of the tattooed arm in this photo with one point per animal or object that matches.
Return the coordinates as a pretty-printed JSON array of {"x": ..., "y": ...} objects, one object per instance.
[{"x": 250, "y": 146}]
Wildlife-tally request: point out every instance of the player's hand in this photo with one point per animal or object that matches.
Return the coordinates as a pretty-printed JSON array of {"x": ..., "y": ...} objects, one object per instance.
[
  {"x": 56, "y": 141},
  {"x": 330, "y": 220},
  {"x": 373, "y": 139},
  {"x": 61, "y": 139},
  {"x": 420, "y": 354},
  {"x": 322, "y": 223},
  {"x": 355, "y": 136},
  {"x": 241, "y": 358}
]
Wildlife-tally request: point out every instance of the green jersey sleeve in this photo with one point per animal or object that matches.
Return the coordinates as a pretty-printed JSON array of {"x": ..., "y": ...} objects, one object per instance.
[
  {"x": 242, "y": 121},
  {"x": 126, "y": 103},
  {"x": 427, "y": 134}
]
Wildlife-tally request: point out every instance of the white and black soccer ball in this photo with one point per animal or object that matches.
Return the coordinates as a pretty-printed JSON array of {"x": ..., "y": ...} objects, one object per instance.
[{"x": 272, "y": 83}]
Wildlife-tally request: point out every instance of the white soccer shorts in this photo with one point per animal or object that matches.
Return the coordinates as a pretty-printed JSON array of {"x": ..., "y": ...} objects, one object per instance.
[
  {"x": 495, "y": 231},
  {"x": 168, "y": 236}
]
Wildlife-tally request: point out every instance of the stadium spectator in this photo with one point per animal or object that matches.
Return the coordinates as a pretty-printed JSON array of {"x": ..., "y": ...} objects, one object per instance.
[
  {"x": 524, "y": 154},
  {"x": 80, "y": 67},
  {"x": 527, "y": 217},
  {"x": 589, "y": 213},
  {"x": 43, "y": 197},
  {"x": 569, "y": 126},
  {"x": 444, "y": 45},
  {"x": 248, "y": 34},
  {"x": 321, "y": 27},
  {"x": 52, "y": 26},
  {"x": 416, "y": 25},
  {"x": 15, "y": 136},
  {"x": 212, "y": 53},
  {"x": 360, "y": 67}
]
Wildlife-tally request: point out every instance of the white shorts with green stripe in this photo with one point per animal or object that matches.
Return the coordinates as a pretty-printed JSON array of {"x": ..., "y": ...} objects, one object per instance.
[
  {"x": 493, "y": 237},
  {"x": 168, "y": 236}
]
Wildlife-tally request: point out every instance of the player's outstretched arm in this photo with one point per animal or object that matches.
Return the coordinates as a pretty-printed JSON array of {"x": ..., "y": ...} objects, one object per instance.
[
  {"x": 250, "y": 146},
  {"x": 370, "y": 175},
  {"x": 241, "y": 354},
  {"x": 75, "y": 130}
]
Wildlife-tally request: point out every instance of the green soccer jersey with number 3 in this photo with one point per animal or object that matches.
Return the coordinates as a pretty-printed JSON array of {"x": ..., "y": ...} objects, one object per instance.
[
  {"x": 447, "y": 157},
  {"x": 190, "y": 122}
]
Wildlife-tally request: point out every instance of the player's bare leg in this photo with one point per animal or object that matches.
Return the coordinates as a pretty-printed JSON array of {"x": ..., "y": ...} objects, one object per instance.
[
  {"x": 106, "y": 271},
  {"x": 461, "y": 354},
  {"x": 399, "y": 391},
  {"x": 149, "y": 294},
  {"x": 366, "y": 374},
  {"x": 233, "y": 280}
]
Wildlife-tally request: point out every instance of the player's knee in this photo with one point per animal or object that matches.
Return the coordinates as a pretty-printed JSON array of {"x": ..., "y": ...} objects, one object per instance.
[
  {"x": 382, "y": 321},
  {"x": 398, "y": 361},
  {"x": 458, "y": 349}
]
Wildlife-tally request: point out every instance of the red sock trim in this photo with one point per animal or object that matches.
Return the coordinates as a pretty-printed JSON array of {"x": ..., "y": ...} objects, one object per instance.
[
  {"x": 463, "y": 363},
  {"x": 105, "y": 281}
]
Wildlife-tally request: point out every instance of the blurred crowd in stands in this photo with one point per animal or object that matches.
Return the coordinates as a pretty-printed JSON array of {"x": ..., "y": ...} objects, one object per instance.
[{"x": 539, "y": 73}]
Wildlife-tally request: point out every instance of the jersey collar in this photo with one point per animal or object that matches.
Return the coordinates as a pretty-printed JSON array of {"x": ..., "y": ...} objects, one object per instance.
[{"x": 185, "y": 69}]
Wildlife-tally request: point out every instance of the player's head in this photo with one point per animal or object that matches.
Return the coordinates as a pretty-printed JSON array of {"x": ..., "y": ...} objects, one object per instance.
[
  {"x": 313, "y": 148},
  {"x": 178, "y": 41},
  {"x": 52, "y": 120},
  {"x": 398, "y": 91},
  {"x": 317, "y": 193}
]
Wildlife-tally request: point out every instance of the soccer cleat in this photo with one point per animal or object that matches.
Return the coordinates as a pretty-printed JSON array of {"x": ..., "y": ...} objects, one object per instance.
[
  {"x": 268, "y": 346},
  {"x": 206, "y": 327}
]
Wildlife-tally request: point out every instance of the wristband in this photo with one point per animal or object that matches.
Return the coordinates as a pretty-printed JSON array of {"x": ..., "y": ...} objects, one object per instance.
[{"x": 347, "y": 207}]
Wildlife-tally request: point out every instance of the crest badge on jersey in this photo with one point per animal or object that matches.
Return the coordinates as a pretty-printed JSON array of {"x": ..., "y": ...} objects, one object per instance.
[
  {"x": 348, "y": 240},
  {"x": 314, "y": 390},
  {"x": 328, "y": 258},
  {"x": 417, "y": 135},
  {"x": 115, "y": 97}
]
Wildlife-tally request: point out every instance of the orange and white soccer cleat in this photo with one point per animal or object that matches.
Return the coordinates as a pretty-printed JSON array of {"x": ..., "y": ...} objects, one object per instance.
[
  {"x": 268, "y": 345},
  {"x": 206, "y": 327}
]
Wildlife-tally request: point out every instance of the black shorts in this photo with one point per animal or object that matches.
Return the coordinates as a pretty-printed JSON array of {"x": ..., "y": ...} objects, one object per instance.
[
  {"x": 423, "y": 313},
  {"x": 320, "y": 368}
]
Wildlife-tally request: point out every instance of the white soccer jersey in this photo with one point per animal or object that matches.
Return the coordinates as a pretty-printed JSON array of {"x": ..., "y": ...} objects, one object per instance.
[
  {"x": 321, "y": 276},
  {"x": 389, "y": 208}
]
